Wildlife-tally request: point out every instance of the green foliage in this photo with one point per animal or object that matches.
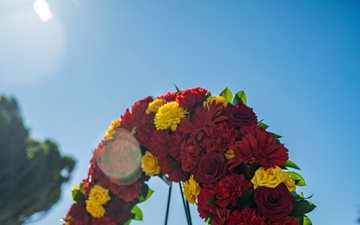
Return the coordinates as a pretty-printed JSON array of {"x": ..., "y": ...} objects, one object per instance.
[
  {"x": 299, "y": 180},
  {"x": 227, "y": 94},
  {"x": 136, "y": 213},
  {"x": 31, "y": 172}
]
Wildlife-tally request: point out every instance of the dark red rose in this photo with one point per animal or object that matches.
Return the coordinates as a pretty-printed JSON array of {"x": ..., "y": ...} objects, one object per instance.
[
  {"x": 274, "y": 203},
  {"x": 247, "y": 216},
  {"x": 137, "y": 115},
  {"x": 118, "y": 211},
  {"x": 258, "y": 146},
  {"x": 207, "y": 191},
  {"x": 229, "y": 188},
  {"x": 240, "y": 115},
  {"x": 78, "y": 214},
  {"x": 101, "y": 221},
  {"x": 170, "y": 96},
  {"x": 190, "y": 97},
  {"x": 126, "y": 192},
  {"x": 211, "y": 168}
]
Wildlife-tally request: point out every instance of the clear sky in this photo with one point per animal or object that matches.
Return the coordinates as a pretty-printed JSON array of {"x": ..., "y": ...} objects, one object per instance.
[{"x": 297, "y": 61}]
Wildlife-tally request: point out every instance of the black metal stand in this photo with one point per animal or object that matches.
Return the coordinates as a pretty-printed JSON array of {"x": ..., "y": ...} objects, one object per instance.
[{"x": 185, "y": 204}]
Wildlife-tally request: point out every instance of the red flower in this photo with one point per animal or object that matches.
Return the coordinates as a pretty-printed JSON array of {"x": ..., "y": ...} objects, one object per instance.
[
  {"x": 137, "y": 115},
  {"x": 190, "y": 155},
  {"x": 207, "y": 191},
  {"x": 126, "y": 192},
  {"x": 171, "y": 167},
  {"x": 170, "y": 96},
  {"x": 220, "y": 138},
  {"x": 229, "y": 188},
  {"x": 287, "y": 221},
  {"x": 274, "y": 203},
  {"x": 240, "y": 115},
  {"x": 211, "y": 168},
  {"x": 247, "y": 216},
  {"x": 101, "y": 221},
  {"x": 78, "y": 214},
  {"x": 158, "y": 143},
  {"x": 258, "y": 146},
  {"x": 221, "y": 217},
  {"x": 144, "y": 132},
  {"x": 190, "y": 97},
  {"x": 118, "y": 211}
]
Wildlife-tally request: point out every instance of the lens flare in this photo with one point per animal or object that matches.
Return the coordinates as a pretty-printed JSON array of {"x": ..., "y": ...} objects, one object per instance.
[{"x": 42, "y": 9}]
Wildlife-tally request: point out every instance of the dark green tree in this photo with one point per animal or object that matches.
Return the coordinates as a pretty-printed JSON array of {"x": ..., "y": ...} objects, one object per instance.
[{"x": 31, "y": 172}]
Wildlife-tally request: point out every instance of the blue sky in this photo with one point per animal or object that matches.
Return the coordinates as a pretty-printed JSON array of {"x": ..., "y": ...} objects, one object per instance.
[{"x": 298, "y": 62}]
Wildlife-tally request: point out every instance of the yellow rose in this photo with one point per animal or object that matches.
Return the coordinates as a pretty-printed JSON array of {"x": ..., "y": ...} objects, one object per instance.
[
  {"x": 99, "y": 195},
  {"x": 272, "y": 177},
  {"x": 95, "y": 209},
  {"x": 289, "y": 182},
  {"x": 154, "y": 106},
  {"x": 149, "y": 164},
  {"x": 217, "y": 99},
  {"x": 191, "y": 190}
]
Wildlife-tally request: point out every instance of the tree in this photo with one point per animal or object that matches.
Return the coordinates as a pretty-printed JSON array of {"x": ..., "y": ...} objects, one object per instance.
[{"x": 31, "y": 172}]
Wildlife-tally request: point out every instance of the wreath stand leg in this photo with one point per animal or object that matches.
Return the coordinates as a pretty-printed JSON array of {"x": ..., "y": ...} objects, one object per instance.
[{"x": 185, "y": 204}]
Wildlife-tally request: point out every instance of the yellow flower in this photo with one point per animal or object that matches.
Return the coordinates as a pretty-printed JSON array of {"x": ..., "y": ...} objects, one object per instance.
[
  {"x": 149, "y": 164},
  {"x": 154, "y": 106},
  {"x": 272, "y": 177},
  {"x": 95, "y": 209},
  {"x": 191, "y": 190},
  {"x": 289, "y": 182},
  {"x": 75, "y": 188},
  {"x": 110, "y": 131},
  {"x": 229, "y": 154},
  {"x": 217, "y": 99},
  {"x": 169, "y": 116},
  {"x": 99, "y": 195}
]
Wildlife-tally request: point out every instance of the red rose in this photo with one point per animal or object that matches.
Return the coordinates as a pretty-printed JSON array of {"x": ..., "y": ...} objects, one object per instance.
[
  {"x": 258, "y": 146},
  {"x": 204, "y": 208},
  {"x": 118, "y": 211},
  {"x": 274, "y": 203},
  {"x": 240, "y": 115},
  {"x": 229, "y": 188},
  {"x": 78, "y": 214},
  {"x": 190, "y": 97},
  {"x": 211, "y": 168},
  {"x": 126, "y": 192}
]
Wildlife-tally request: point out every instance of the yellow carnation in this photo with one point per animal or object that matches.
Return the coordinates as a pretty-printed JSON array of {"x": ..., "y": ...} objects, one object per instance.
[
  {"x": 149, "y": 164},
  {"x": 110, "y": 131},
  {"x": 99, "y": 195},
  {"x": 95, "y": 209},
  {"x": 218, "y": 99},
  {"x": 169, "y": 116},
  {"x": 154, "y": 106},
  {"x": 191, "y": 190},
  {"x": 272, "y": 177}
]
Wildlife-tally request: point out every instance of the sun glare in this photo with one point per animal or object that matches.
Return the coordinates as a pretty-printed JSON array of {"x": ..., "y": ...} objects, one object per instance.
[{"x": 42, "y": 9}]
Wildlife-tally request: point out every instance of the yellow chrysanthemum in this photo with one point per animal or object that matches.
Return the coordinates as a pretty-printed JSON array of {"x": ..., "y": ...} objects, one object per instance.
[
  {"x": 191, "y": 190},
  {"x": 99, "y": 195},
  {"x": 229, "y": 154},
  {"x": 149, "y": 164},
  {"x": 95, "y": 209},
  {"x": 110, "y": 131},
  {"x": 154, "y": 105},
  {"x": 271, "y": 178},
  {"x": 217, "y": 99},
  {"x": 169, "y": 116}
]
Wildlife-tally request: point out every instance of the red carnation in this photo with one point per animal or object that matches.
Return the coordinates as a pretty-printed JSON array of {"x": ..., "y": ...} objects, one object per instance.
[
  {"x": 247, "y": 216},
  {"x": 211, "y": 168},
  {"x": 118, "y": 211},
  {"x": 240, "y": 115},
  {"x": 126, "y": 192},
  {"x": 220, "y": 138},
  {"x": 207, "y": 191},
  {"x": 190, "y": 155},
  {"x": 170, "y": 96},
  {"x": 190, "y": 97},
  {"x": 101, "y": 221},
  {"x": 158, "y": 143},
  {"x": 229, "y": 188},
  {"x": 274, "y": 203},
  {"x": 221, "y": 217},
  {"x": 144, "y": 132},
  {"x": 287, "y": 221},
  {"x": 258, "y": 146},
  {"x": 171, "y": 167}
]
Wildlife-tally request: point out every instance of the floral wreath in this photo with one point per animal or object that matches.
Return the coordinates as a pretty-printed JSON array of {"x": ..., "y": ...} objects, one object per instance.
[{"x": 230, "y": 166}]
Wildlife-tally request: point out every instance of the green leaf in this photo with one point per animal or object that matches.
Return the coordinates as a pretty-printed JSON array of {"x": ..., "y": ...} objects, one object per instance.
[
  {"x": 226, "y": 93},
  {"x": 136, "y": 213},
  {"x": 307, "y": 221},
  {"x": 211, "y": 201},
  {"x": 177, "y": 89},
  {"x": 145, "y": 196},
  {"x": 78, "y": 196},
  {"x": 302, "y": 207},
  {"x": 127, "y": 222},
  {"x": 291, "y": 164},
  {"x": 262, "y": 124},
  {"x": 299, "y": 180},
  {"x": 240, "y": 96},
  {"x": 246, "y": 199}
]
